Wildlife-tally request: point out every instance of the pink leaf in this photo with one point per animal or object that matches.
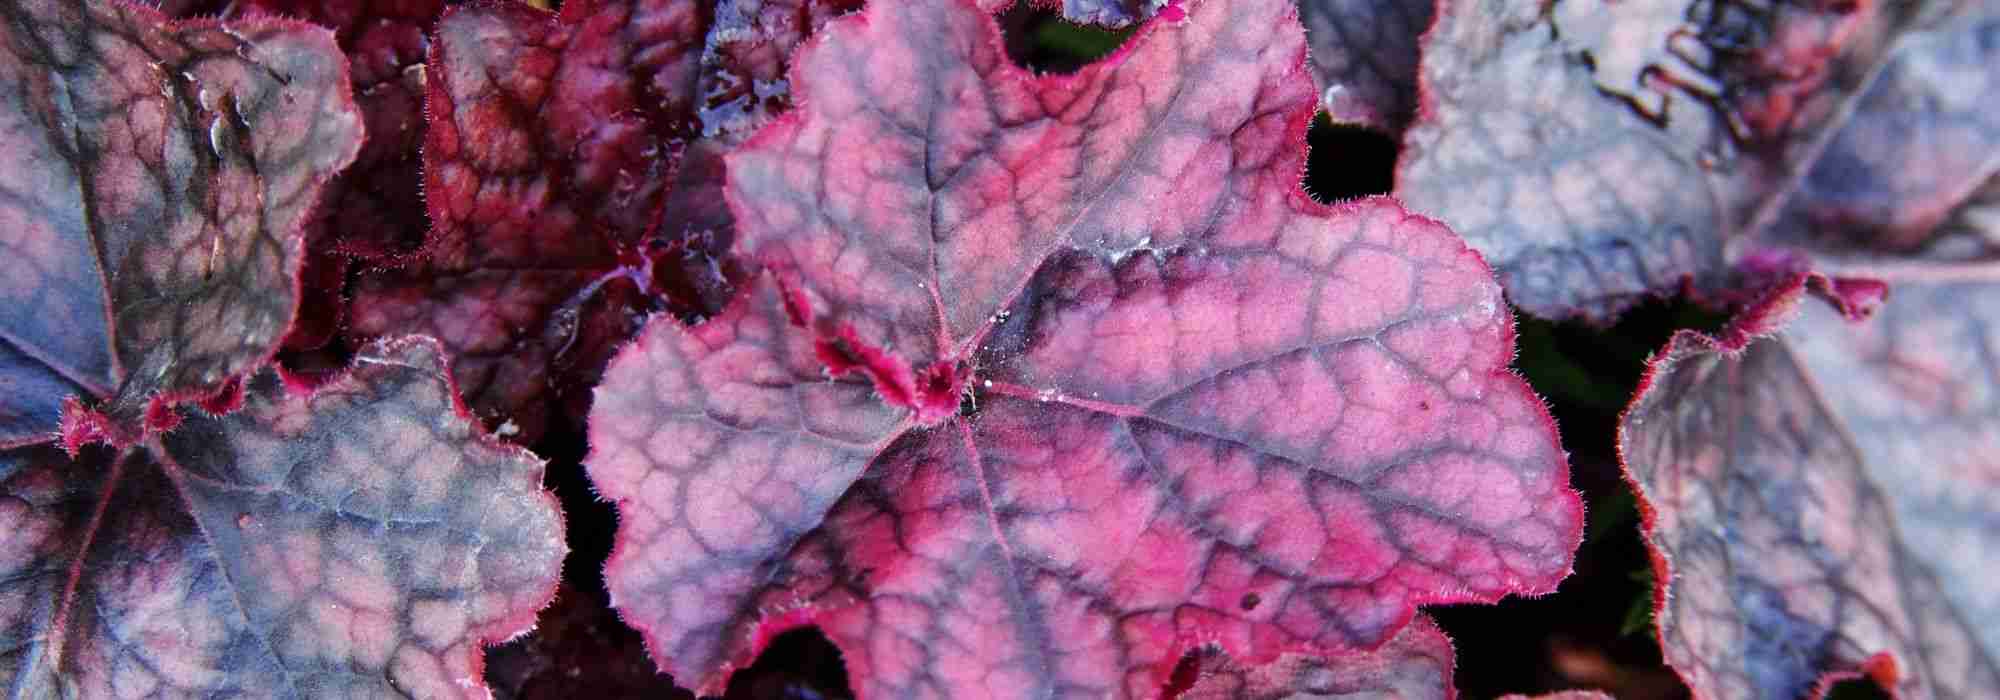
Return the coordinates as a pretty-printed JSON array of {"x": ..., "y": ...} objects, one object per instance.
[
  {"x": 159, "y": 176},
  {"x": 1197, "y": 408},
  {"x": 1416, "y": 664},
  {"x": 1820, "y": 503},
  {"x": 362, "y": 541},
  {"x": 1602, "y": 152}
]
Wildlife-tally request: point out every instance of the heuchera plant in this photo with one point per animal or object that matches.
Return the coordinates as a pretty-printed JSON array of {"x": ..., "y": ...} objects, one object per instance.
[
  {"x": 1009, "y": 384},
  {"x": 1106, "y": 386},
  {"x": 573, "y": 177},
  {"x": 361, "y": 539},
  {"x": 1809, "y": 496},
  {"x": 1819, "y": 500}
]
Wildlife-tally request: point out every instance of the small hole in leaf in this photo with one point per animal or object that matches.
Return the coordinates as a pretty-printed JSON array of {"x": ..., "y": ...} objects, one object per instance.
[
  {"x": 1040, "y": 39},
  {"x": 1345, "y": 162},
  {"x": 1857, "y": 689},
  {"x": 1251, "y": 601},
  {"x": 799, "y": 665}
]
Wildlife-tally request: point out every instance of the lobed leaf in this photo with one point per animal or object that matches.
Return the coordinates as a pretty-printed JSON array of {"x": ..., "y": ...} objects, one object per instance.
[
  {"x": 161, "y": 173},
  {"x": 1601, "y": 154},
  {"x": 573, "y": 171},
  {"x": 360, "y": 541},
  {"x": 374, "y": 211},
  {"x": 1058, "y": 378},
  {"x": 1817, "y": 495}
]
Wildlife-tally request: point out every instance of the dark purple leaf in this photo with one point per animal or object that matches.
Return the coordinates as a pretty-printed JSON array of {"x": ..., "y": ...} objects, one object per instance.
[
  {"x": 159, "y": 176},
  {"x": 578, "y": 649},
  {"x": 574, "y": 175},
  {"x": 362, "y": 541},
  {"x": 551, "y": 143},
  {"x": 1364, "y": 56},
  {"x": 1056, "y": 378},
  {"x": 1602, "y": 152},
  {"x": 1416, "y": 664},
  {"x": 1821, "y": 500},
  {"x": 375, "y": 209}
]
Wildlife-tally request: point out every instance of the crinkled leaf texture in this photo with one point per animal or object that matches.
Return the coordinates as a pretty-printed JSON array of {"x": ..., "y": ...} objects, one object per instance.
[
  {"x": 362, "y": 541},
  {"x": 374, "y": 210},
  {"x": 156, "y": 181},
  {"x": 1055, "y": 379},
  {"x": 1364, "y": 57},
  {"x": 573, "y": 171},
  {"x": 550, "y": 142},
  {"x": 1416, "y": 664},
  {"x": 1598, "y": 153},
  {"x": 1820, "y": 498}
]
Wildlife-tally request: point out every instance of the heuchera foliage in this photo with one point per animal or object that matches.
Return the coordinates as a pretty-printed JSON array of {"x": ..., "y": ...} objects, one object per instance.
[
  {"x": 1364, "y": 58},
  {"x": 1416, "y": 664},
  {"x": 361, "y": 541},
  {"x": 572, "y": 170},
  {"x": 1012, "y": 385},
  {"x": 152, "y": 224},
  {"x": 372, "y": 212},
  {"x": 1815, "y": 499},
  {"x": 1054, "y": 379},
  {"x": 364, "y": 539},
  {"x": 1601, "y": 152},
  {"x": 1820, "y": 500}
]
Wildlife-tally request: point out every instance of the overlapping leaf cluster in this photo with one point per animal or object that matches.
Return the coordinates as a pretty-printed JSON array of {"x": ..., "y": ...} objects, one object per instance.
[{"x": 1012, "y": 385}]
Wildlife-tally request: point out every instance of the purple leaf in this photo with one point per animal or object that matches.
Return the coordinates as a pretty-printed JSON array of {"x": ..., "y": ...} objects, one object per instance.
[
  {"x": 1600, "y": 153},
  {"x": 374, "y": 210},
  {"x": 161, "y": 174},
  {"x": 578, "y": 649},
  {"x": 361, "y": 541},
  {"x": 574, "y": 172},
  {"x": 1416, "y": 664},
  {"x": 35, "y": 392},
  {"x": 1820, "y": 501},
  {"x": 1061, "y": 377},
  {"x": 551, "y": 142},
  {"x": 1364, "y": 58}
]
